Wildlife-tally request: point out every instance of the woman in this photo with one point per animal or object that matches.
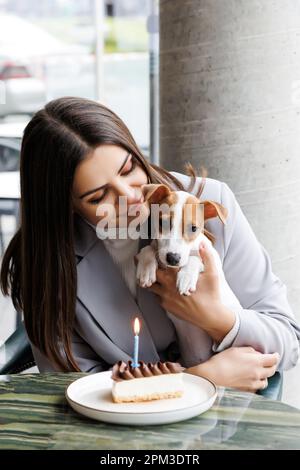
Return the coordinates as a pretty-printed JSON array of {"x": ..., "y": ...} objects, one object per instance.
[{"x": 76, "y": 291}]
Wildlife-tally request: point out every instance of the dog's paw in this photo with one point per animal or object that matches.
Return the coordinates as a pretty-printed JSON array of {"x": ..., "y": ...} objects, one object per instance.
[
  {"x": 146, "y": 274},
  {"x": 146, "y": 268},
  {"x": 186, "y": 281}
]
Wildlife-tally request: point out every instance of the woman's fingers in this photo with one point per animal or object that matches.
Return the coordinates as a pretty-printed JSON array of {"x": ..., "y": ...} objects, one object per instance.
[
  {"x": 262, "y": 384},
  {"x": 269, "y": 364},
  {"x": 208, "y": 259},
  {"x": 156, "y": 288},
  {"x": 162, "y": 275},
  {"x": 269, "y": 360},
  {"x": 267, "y": 372}
]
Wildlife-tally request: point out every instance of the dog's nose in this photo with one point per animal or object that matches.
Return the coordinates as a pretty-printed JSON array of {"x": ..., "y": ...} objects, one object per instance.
[{"x": 173, "y": 258}]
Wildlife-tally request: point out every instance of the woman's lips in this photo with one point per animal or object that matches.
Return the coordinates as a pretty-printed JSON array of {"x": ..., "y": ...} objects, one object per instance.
[{"x": 133, "y": 207}]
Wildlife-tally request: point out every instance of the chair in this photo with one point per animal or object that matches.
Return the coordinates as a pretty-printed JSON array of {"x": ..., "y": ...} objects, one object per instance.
[{"x": 16, "y": 351}]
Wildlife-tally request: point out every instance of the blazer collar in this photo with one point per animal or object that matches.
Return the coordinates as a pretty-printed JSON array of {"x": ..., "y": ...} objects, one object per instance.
[
  {"x": 84, "y": 236},
  {"x": 106, "y": 296}
]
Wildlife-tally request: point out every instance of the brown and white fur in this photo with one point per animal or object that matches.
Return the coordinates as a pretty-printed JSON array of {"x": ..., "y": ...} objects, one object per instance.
[{"x": 178, "y": 247}]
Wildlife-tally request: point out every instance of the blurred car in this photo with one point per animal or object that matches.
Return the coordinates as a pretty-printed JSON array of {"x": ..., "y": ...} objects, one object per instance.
[
  {"x": 10, "y": 144},
  {"x": 29, "y": 56},
  {"x": 23, "y": 93}
]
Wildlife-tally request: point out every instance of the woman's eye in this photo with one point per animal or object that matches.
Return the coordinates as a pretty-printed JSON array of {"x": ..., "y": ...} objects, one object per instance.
[
  {"x": 132, "y": 166},
  {"x": 96, "y": 201}
]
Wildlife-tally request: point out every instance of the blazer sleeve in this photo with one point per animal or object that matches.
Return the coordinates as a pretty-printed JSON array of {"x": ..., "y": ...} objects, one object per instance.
[{"x": 266, "y": 321}]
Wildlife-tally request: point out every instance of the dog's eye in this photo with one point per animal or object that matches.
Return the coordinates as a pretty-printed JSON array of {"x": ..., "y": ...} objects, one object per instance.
[{"x": 194, "y": 228}]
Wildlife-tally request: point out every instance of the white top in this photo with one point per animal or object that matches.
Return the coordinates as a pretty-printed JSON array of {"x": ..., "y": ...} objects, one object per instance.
[{"x": 122, "y": 252}]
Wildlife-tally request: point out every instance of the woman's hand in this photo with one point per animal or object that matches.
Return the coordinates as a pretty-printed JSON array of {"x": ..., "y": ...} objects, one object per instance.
[
  {"x": 242, "y": 368},
  {"x": 203, "y": 307}
]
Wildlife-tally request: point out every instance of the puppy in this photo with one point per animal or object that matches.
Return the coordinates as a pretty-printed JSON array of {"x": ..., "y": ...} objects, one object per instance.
[{"x": 177, "y": 222}]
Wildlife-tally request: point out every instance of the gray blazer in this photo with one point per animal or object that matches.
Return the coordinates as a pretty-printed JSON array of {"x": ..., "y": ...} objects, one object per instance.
[{"x": 105, "y": 307}]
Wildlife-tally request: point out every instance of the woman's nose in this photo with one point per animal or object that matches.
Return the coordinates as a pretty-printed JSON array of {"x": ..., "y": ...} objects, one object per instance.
[{"x": 126, "y": 190}]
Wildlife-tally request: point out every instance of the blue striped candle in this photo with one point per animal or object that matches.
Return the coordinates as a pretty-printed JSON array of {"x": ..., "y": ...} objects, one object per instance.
[{"x": 136, "y": 329}]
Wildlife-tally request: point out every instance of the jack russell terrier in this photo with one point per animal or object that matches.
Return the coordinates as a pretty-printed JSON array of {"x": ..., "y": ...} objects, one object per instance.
[{"x": 178, "y": 232}]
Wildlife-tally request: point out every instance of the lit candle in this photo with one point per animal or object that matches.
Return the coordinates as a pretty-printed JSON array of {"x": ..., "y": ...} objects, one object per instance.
[{"x": 136, "y": 329}]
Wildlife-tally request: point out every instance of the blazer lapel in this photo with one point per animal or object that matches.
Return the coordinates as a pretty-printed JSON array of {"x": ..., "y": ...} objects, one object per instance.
[{"x": 104, "y": 293}]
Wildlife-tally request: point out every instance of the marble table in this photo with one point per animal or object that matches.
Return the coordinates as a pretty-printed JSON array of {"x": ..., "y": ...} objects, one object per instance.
[{"x": 34, "y": 414}]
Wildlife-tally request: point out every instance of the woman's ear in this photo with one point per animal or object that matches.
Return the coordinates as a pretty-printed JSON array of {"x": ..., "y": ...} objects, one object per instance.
[
  {"x": 214, "y": 209},
  {"x": 154, "y": 193}
]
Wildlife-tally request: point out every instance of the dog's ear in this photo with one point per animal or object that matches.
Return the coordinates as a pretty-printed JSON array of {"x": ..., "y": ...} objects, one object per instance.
[
  {"x": 214, "y": 209},
  {"x": 154, "y": 193}
]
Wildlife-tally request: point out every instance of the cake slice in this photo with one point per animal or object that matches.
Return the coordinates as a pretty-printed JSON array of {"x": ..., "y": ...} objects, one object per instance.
[{"x": 146, "y": 382}]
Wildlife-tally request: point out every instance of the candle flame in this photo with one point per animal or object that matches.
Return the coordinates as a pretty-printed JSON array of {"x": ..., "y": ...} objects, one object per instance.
[{"x": 136, "y": 326}]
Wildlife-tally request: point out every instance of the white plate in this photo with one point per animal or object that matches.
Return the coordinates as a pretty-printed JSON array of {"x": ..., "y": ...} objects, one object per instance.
[{"x": 91, "y": 396}]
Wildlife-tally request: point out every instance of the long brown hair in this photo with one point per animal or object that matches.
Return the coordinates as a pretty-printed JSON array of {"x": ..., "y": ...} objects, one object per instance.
[{"x": 39, "y": 265}]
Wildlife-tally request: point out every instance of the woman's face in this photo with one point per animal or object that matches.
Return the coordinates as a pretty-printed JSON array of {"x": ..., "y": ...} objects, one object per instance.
[{"x": 109, "y": 178}]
